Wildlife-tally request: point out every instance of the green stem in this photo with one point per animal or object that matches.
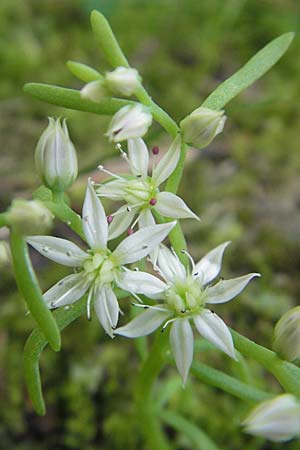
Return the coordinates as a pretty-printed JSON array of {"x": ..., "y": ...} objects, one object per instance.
[
  {"x": 29, "y": 288},
  {"x": 4, "y": 219},
  {"x": 37, "y": 342},
  {"x": 228, "y": 384},
  {"x": 198, "y": 438},
  {"x": 143, "y": 394},
  {"x": 287, "y": 374}
]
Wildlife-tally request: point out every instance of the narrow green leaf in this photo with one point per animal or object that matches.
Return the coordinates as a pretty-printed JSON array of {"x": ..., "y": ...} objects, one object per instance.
[
  {"x": 30, "y": 290},
  {"x": 83, "y": 72},
  {"x": 71, "y": 99},
  {"x": 197, "y": 437},
  {"x": 257, "y": 66},
  {"x": 107, "y": 41}
]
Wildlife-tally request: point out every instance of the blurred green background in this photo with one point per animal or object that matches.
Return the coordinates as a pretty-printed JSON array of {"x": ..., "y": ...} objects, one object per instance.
[{"x": 245, "y": 187}]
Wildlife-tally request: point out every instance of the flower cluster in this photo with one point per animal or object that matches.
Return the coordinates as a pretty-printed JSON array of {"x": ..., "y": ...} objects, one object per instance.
[{"x": 182, "y": 293}]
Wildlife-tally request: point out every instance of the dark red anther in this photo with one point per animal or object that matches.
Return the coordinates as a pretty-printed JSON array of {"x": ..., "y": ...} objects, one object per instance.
[
  {"x": 130, "y": 231},
  {"x": 153, "y": 201},
  {"x": 109, "y": 219},
  {"x": 155, "y": 150}
]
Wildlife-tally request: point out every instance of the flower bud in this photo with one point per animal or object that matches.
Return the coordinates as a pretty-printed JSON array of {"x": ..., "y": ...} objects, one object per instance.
[
  {"x": 94, "y": 90},
  {"x": 131, "y": 121},
  {"x": 30, "y": 217},
  {"x": 123, "y": 81},
  {"x": 287, "y": 335},
  {"x": 201, "y": 126},
  {"x": 55, "y": 157},
  {"x": 277, "y": 419}
]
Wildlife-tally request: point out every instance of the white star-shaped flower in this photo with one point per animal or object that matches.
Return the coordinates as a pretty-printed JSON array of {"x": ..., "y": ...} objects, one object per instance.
[
  {"x": 141, "y": 192},
  {"x": 185, "y": 294},
  {"x": 98, "y": 269}
]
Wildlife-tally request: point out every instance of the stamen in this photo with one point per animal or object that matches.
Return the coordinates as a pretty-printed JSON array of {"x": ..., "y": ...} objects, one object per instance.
[
  {"x": 167, "y": 323},
  {"x": 88, "y": 305},
  {"x": 152, "y": 201},
  {"x": 155, "y": 150},
  {"x": 108, "y": 172},
  {"x": 135, "y": 222},
  {"x": 109, "y": 218},
  {"x": 130, "y": 231},
  {"x": 185, "y": 252}
]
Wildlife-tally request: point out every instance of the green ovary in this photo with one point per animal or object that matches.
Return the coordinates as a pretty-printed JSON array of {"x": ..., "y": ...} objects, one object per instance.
[
  {"x": 186, "y": 297},
  {"x": 100, "y": 266},
  {"x": 140, "y": 192}
]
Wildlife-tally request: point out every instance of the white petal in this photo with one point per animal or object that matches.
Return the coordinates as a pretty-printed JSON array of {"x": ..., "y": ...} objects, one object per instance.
[
  {"x": 144, "y": 323},
  {"x": 94, "y": 220},
  {"x": 112, "y": 189},
  {"x": 141, "y": 243},
  {"x": 107, "y": 308},
  {"x": 121, "y": 222},
  {"x": 170, "y": 205},
  {"x": 225, "y": 290},
  {"x": 212, "y": 328},
  {"x": 182, "y": 346},
  {"x": 138, "y": 157},
  {"x": 210, "y": 265},
  {"x": 58, "y": 250},
  {"x": 141, "y": 283},
  {"x": 67, "y": 291},
  {"x": 146, "y": 219},
  {"x": 169, "y": 265},
  {"x": 277, "y": 419},
  {"x": 168, "y": 162}
]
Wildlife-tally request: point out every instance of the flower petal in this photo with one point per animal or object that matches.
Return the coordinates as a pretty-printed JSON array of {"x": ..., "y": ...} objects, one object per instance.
[
  {"x": 210, "y": 265},
  {"x": 94, "y": 220},
  {"x": 67, "y": 291},
  {"x": 169, "y": 265},
  {"x": 182, "y": 346},
  {"x": 107, "y": 308},
  {"x": 112, "y": 189},
  {"x": 141, "y": 283},
  {"x": 146, "y": 219},
  {"x": 212, "y": 328},
  {"x": 144, "y": 323},
  {"x": 138, "y": 157},
  {"x": 170, "y": 205},
  {"x": 58, "y": 250},
  {"x": 121, "y": 222},
  {"x": 225, "y": 290},
  {"x": 168, "y": 162},
  {"x": 141, "y": 243}
]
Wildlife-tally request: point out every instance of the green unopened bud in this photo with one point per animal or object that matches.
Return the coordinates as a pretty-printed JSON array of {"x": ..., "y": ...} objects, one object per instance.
[
  {"x": 123, "y": 81},
  {"x": 29, "y": 217},
  {"x": 95, "y": 91},
  {"x": 55, "y": 157},
  {"x": 201, "y": 126},
  {"x": 287, "y": 335}
]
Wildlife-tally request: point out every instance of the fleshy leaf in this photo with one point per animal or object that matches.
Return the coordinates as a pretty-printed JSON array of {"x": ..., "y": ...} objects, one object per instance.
[
  {"x": 257, "y": 66},
  {"x": 83, "y": 72}
]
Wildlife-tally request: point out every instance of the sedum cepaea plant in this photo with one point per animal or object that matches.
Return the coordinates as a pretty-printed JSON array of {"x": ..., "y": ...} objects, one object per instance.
[{"x": 171, "y": 294}]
